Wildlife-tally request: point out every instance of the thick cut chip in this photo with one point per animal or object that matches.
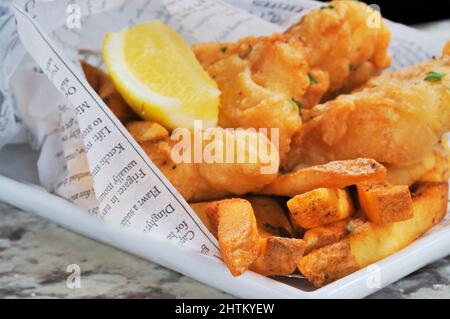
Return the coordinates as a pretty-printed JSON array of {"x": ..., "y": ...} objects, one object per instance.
[
  {"x": 270, "y": 217},
  {"x": 338, "y": 174},
  {"x": 385, "y": 203},
  {"x": 320, "y": 207},
  {"x": 278, "y": 256},
  {"x": 234, "y": 223},
  {"x": 329, "y": 234},
  {"x": 370, "y": 242}
]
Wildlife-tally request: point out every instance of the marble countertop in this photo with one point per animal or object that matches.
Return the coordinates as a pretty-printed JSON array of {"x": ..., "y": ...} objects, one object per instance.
[{"x": 35, "y": 253}]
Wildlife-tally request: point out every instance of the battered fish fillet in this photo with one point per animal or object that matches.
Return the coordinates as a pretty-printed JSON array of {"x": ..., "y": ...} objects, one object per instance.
[
  {"x": 347, "y": 40},
  {"x": 205, "y": 180},
  {"x": 397, "y": 119},
  {"x": 435, "y": 167},
  {"x": 262, "y": 81},
  {"x": 266, "y": 80}
]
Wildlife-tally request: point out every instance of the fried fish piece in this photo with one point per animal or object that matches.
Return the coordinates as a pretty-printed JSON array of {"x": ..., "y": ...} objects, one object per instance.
[
  {"x": 248, "y": 170},
  {"x": 396, "y": 119},
  {"x": 265, "y": 81},
  {"x": 280, "y": 251},
  {"x": 262, "y": 81},
  {"x": 348, "y": 40},
  {"x": 103, "y": 85}
]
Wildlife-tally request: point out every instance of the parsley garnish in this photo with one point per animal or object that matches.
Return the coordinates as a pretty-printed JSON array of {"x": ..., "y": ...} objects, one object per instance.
[
  {"x": 224, "y": 50},
  {"x": 327, "y": 7},
  {"x": 297, "y": 104},
  {"x": 350, "y": 228},
  {"x": 351, "y": 67},
  {"x": 312, "y": 79},
  {"x": 434, "y": 76}
]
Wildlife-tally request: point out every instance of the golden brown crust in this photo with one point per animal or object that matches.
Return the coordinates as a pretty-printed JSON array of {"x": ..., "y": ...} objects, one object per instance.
[
  {"x": 384, "y": 203},
  {"x": 234, "y": 223},
  {"x": 278, "y": 256},
  {"x": 320, "y": 207},
  {"x": 259, "y": 78},
  {"x": 329, "y": 263},
  {"x": 208, "y": 181},
  {"x": 270, "y": 217},
  {"x": 369, "y": 242},
  {"x": 396, "y": 119},
  {"x": 339, "y": 174},
  {"x": 342, "y": 42}
]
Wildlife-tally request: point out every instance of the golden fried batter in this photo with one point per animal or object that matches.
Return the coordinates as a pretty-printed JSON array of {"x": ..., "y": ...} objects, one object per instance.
[
  {"x": 262, "y": 81},
  {"x": 265, "y": 80},
  {"x": 346, "y": 39},
  {"x": 396, "y": 119},
  {"x": 211, "y": 180}
]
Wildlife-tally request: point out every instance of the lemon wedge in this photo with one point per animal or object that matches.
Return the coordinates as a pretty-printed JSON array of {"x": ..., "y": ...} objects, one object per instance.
[{"x": 158, "y": 75}]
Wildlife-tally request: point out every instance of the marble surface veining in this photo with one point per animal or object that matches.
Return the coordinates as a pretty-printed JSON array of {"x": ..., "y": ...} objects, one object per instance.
[{"x": 34, "y": 255}]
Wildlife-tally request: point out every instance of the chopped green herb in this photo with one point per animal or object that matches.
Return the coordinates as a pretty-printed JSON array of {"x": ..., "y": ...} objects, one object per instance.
[
  {"x": 312, "y": 79},
  {"x": 350, "y": 228},
  {"x": 297, "y": 104},
  {"x": 224, "y": 50},
  {"x": 434, "y": 76},
  {"x": 327, "y": 7},
  {"x": 351, "y": 67}
]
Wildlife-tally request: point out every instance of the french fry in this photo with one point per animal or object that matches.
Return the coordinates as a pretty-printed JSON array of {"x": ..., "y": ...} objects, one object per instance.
[
  {"x": 371, "y": 242},
  {"x": 270, "y": 217},
  {"x": 200, "y": 210},
  {"x": 329, "y": 234},
  {"x": 234, "y": 224},
  {"x": 384, "y": 203},
  {"x": 146, "y": 131},
  {"x": 279, "y": 252},
  {"x": 278, "y": 256},
  {"x": 338, "y": 174},
  {"x": 320, "y": 207}
]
